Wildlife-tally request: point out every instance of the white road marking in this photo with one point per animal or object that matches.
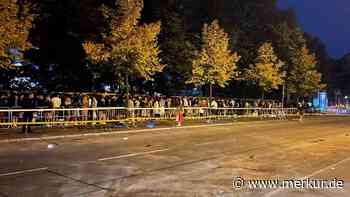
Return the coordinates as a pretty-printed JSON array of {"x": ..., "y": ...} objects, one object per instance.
[
  {"x": 160, "y": 150},
  {"x": 133, "y": 155},
  {"x": 214, "y": 142},
  {"x": 330, "y": 167},
  {"x": 23, "y": 172}
]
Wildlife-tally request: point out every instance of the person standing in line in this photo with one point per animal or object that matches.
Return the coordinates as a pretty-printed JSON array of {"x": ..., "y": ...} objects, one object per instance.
[
  {"x": 162, "y": 107},
  {"x": 56, "y": 104},
  {"x": 137, "y": 106},
  {"x": 156, "y": 108},
  {"x": 28, "y": 104},
  {"x": 131, "y": 111},
  {"x": 13, "y": 103},
  {"x": 48, "y": 115},
  {"x": 102, "y": 114},
  {"x": 169, "y": 112},
  {"x": 94, "y": 104},
  {"x": 68, "y": 105},
  {"x": 301, "y": 111},
  {"x": 85, "y": 105},
  {"x": 179, "y": 115},
  {"x": 150, "y": 111},
  {"x": 185, "y": 104},
  {"x": 214, "y": 107}
]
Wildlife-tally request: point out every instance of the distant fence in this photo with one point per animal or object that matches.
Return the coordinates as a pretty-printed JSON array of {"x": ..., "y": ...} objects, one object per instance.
[
  {"x": 102, "y": 116},
  {"x": 339, "y": 110}
]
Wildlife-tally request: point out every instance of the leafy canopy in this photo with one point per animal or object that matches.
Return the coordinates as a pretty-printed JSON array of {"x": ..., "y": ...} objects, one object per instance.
[
  {"x": 130, "y": 47},
  {"x": 15, "y": 23},
  {"x": 214, "y": 63},
  {"x": 267, "y": 71},
  {"x": 304, "y": 79},
  {"x": 176, "y": 44}
]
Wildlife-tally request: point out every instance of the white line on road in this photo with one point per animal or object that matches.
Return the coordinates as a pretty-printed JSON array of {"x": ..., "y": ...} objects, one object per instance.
[
  {"x": 214, "y": 142},
  {"x": 23, "y": 172},
  {"x": 272, "y": 193},
  {"x": 133, "y": 155}
]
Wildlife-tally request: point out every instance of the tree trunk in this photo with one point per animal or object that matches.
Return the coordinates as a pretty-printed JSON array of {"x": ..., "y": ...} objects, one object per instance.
[
  {"x": 126, "y": 104},
  {"x": 283, "y": 90},
  {"x": 127, "y": 88},
  {"x": 288, "y": 94},
  {"x": 210, "y": 92},
  {"x": 210, "y": 98},
  {"x": 262, "y": 94}
]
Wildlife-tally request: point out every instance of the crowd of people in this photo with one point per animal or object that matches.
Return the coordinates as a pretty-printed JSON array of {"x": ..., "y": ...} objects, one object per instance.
[
  {"x": 95, "y": 100},
  {"x": 137, "y": 106}
]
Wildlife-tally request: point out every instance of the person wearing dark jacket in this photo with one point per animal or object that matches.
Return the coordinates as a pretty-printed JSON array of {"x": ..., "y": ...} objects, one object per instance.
[
  {"x": 301, "y": 110},
  {"x": 28, "y": 103}
]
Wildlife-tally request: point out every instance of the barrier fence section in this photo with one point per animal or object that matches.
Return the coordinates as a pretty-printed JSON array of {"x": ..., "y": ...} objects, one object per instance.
[
  {"x": 102, "y": 116},
  {"x": 339, "y": 110}
]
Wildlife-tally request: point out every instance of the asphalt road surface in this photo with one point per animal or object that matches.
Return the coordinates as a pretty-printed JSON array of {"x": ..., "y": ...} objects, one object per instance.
[{"x": 188, "y": 162}]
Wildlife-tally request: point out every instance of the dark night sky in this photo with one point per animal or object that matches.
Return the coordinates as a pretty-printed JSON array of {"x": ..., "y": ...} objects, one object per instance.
[{"x": 327, "y": 19}]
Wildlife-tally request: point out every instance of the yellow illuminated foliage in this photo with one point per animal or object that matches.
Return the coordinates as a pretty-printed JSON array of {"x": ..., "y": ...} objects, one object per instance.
[
  {"x": 304, "y": 79},
  {"x": 15, "y": 24},
  {"x": 131, "y": 48},
  {"x": 214, "y": 63},
  {"x": 267, "y": 71},
  {"x": 95, "y": 51}
]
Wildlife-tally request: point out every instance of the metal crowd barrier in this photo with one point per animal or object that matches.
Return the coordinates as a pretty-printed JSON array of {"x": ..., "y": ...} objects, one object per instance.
[
  {"x": 103, "y": 116},
  {"x": 341, "y": 111}
]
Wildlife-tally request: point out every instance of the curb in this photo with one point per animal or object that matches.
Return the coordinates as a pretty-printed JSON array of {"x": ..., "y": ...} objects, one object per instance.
[{"x": 106, "y": 133}]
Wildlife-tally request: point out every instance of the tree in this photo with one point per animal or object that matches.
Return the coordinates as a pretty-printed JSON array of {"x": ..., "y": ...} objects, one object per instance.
[
  {"x": 287, "y": 38},
  {"x": 177, "y": 46},
  {"x": 214, "y": 63},
  {"x": 267, "y": 71},
  {"x": 340, "y": 74},
  {"x": 15, "y": 23},
  {"x": 304, "y": 79},
  {"x": 324, "y": 61},
  {"x": 132, "y": 49}
]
